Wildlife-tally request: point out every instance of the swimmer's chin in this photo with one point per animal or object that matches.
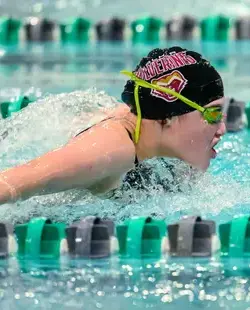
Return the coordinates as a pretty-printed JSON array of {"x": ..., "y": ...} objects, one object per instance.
[
  {"x": 200, "y": 167},
  {"x": 198, "y": 164}
]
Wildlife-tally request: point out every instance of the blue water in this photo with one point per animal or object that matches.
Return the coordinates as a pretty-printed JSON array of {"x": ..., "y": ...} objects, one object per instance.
[
  {"x": 57, "y": 68},
  {"x": 46, "y": 71}
]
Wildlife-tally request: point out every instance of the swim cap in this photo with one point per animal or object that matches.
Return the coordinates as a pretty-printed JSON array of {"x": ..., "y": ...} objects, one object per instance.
[{"x": 184, "y": 71}]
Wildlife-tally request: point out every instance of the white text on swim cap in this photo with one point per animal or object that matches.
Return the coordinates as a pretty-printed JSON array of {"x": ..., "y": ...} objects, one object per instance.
[{"x": 163, "y": 64}]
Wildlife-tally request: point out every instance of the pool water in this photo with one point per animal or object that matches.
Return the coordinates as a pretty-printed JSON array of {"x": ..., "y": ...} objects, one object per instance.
[{"x": 72, "y": 82}]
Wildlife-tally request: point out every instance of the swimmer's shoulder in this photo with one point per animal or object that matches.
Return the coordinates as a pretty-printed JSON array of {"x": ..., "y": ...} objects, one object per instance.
[
  {"x": 108, "y": 141},
  {"x": 111, "y": 115}
]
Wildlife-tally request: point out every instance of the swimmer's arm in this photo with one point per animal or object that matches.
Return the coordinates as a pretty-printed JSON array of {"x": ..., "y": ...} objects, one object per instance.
[{"x": 82, "y": 163}]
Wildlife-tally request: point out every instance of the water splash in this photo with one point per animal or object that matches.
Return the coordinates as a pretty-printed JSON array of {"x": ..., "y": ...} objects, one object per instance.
[
  {"x": 221, "y": 193},
  {"x": 49, "y": 123}
]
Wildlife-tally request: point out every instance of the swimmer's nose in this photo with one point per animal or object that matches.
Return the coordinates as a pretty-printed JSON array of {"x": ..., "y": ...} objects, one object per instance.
[{"x": 222, "y": 129}]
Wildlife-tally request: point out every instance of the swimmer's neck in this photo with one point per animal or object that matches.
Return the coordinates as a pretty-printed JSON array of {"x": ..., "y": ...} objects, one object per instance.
[{"x": 149, "y": 144}]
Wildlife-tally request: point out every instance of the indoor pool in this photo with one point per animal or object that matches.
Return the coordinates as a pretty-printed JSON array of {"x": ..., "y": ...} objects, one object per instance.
[{"x": 69, "y": 83}]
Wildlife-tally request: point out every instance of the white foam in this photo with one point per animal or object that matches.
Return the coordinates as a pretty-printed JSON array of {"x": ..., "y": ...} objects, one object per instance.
[{"x": 51, "y": 121}]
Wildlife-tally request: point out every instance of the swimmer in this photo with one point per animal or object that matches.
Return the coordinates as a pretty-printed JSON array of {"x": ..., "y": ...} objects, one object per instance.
[{"x": 172, "y": 108}]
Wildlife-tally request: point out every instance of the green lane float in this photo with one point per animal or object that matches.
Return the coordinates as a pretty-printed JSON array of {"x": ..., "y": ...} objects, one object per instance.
[
  {"x": 247, "y": 113},
  {"x": 215, "y": 28},
  {"x": 141, "y": 237},
  {"x": 91, "y": 237},
  {"x": 235, "y": 237},
  {"x": 192, "y": 237},
  {"x": 75, "y": 30},
  {"x": 40, "y": 238},
  {"x": 146, "y": 30},
  {"x": 9, "y": 107},
  {"x": 136, "y": 238},
  {"x": 9, "y": 30}
]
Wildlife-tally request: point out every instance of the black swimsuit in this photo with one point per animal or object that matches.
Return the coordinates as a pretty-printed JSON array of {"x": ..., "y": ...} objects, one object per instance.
[{"x": 142, "y": 176}]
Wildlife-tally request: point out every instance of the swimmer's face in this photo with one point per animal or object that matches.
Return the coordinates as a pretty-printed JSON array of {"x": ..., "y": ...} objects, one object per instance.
[{"x": 196, "y": 139}]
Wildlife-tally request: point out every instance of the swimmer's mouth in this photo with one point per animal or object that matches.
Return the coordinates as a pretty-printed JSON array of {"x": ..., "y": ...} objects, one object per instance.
[{"x": 214, "y": 152}]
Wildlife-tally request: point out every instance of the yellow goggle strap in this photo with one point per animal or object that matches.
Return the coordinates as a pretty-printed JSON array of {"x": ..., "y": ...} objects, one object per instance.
[
  {"x": 138, "y": 110},
  {"x": 165, "y": 90},
  {"x": 142, "y": 83}
]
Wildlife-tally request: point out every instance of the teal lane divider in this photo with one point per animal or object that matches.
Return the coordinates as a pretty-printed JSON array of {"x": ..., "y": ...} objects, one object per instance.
[
  {"x": 146, "y": 29},
  {"x": 9, "y": 30},
  {"x": 141, "y": 237},
  {"x": 40, "y": 238},
  {"x": 9, "y": 107},
  {"x": 136, "y": 238},
  {"x": 235, "y": 237},
  {"x": 215, "y": 28},
  {"x": 75, "y": 30}
]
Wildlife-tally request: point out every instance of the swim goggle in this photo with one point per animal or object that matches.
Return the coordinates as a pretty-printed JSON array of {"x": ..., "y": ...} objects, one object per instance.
[{"x": 212, "y": 115}]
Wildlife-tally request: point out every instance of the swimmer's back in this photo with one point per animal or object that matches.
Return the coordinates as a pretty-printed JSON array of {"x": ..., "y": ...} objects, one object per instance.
[{"x": 118, "y": 158}]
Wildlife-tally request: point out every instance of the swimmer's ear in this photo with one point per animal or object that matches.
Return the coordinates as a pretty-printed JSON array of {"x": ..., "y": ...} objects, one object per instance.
[{"x": 165, "y": 122}]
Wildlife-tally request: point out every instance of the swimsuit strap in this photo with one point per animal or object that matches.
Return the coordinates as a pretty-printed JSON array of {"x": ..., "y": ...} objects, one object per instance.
[
  {"x": 105, "y": 119},
  {"x": 136, "y": 162}
]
